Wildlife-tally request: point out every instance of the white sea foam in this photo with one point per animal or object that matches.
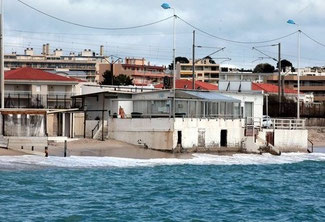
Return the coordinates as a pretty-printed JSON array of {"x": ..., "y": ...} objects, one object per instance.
[{"x": 22, "y": 162}]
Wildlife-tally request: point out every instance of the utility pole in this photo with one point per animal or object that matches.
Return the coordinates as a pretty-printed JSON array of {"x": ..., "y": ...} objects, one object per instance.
[
  {"x": 298, "y": 76},
  {"x": 193, "y": 61},
  {"x": 279, "y": 79},
  {"x": 112, "y": 71},
  {"x": 2, "y": 84}
]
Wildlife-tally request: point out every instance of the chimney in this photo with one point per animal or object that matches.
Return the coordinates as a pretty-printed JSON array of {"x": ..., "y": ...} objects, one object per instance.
[
  {"x": 87, "y": 53},
  {"x": 44, "y": 50},
  {"x": 101, "y": 50},
  {"x": 58, "y": 52},
  {"x": 47, "y": 49},
  {"x": 29, "y": 51}
]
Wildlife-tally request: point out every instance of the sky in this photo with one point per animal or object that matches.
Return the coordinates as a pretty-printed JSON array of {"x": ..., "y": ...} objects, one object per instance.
[{"x": 237, "y": 20}]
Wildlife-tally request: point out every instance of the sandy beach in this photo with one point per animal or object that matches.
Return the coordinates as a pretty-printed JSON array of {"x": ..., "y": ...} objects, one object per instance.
[
  {"x": 8, "y": 152},
  {"x": 113, "y": 148}
]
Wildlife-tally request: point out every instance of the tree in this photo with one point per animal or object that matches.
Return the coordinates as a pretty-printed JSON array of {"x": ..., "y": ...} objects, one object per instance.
[
  {"x": 210, "y": 60},
  {"x": 107, "y": 78},
  {"x": 263, "y": 68},
  {"x": 285, "y": 63},
  {"x": 120, "y": 80},
  {"x": 180, "y": 60}
]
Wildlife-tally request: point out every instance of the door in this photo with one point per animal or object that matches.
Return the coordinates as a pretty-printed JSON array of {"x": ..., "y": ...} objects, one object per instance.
[
  {"x": 223, "y": 138},
  {"x": 270, "y": 138},
  {"x": 201, "y": 138},
  {"x": 179, "y": 137},
  {"x": 248, "y": 109}
]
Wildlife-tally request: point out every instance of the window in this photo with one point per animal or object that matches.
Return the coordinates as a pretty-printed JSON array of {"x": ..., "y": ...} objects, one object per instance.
[{"x": 38, "y": 88}]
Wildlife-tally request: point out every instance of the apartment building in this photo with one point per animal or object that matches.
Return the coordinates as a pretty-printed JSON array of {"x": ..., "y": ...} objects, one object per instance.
[
  {"x": 308, "y": 84},
  {"x": 140, "y": 70},
  {"x": 205, "y": 71},
  {"x": 87, "y": 61}
]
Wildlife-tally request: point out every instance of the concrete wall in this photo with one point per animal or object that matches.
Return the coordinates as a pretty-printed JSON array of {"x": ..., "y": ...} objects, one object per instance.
[
  {"x": 190, "y": 129},
  {"x": 162, "y": 133},
  {"x": 78, "y": 124},
  {"x": 51, "y": 124},
  {"x": 291, "y": 140},
  {"x": 156, "y": 133}
]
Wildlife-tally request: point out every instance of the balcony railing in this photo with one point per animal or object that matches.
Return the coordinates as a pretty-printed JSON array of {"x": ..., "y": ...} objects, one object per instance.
[{"x": 51, "y": 100}]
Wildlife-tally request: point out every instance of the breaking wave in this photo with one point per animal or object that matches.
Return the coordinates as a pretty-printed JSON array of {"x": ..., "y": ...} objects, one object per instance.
[{"x": 30, "y": 162}]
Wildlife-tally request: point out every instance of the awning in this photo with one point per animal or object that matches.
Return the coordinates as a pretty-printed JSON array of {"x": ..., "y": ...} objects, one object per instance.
[{"x": 211, "y": 96}]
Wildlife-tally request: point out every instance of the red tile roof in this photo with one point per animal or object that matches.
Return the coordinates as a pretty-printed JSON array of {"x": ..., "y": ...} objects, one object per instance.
[
  {"x": 28, "y": 73},
  {"x": 187, "y": 84},
  {"x": 270, "y": 88}
]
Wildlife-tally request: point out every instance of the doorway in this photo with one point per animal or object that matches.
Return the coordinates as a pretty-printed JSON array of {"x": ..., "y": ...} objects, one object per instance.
[
  {"x": 223, "y": 138},
  {"x": 270, "y": 138},
  {"x": 201, "y": 138},
  {"x": 179, "y": 138}
]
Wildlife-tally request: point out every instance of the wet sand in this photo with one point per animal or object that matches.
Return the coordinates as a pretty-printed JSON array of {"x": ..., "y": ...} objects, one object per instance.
[
  {"x": 113, "y": 148},
  {"x": 8, "y": 152}
]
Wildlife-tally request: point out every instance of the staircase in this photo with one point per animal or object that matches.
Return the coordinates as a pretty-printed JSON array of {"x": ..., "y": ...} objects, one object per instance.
[
  {"x": 253, "y": 143},
  {"x": 98, "y": 133}
]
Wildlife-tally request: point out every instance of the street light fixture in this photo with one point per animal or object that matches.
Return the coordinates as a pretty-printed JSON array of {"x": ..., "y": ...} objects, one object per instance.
[
  {"x": 292, "y": 22},
  {"x": 167, "y": 6}
]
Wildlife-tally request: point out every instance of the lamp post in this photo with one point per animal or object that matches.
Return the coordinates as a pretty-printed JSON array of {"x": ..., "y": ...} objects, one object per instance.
[
  {"x": 291, "y": 22},
  {"x": 167, "y": 6}
]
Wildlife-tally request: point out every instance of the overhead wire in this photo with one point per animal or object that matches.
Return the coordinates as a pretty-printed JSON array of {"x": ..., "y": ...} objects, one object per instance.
[
  {"x": 94, "y": 34},
  {"x": 152, "y": 23},
  {"x": 159, "y": 21},
  {"x": 94, "y": 27},
  {"x": 234, "y": 41},
  {"x": 314, "y": 40}
]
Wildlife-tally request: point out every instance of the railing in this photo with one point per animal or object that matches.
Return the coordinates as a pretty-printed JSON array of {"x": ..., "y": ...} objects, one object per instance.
[
  {"x": 26, "y": 93},
  {"x": 95, "y": 128},
  {"x": 289, "y": 123},
  {"x": 25, "y": 99}
]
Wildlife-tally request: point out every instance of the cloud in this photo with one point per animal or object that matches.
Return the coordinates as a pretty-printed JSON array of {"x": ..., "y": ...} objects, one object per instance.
[{"x": 251, "y": 20}]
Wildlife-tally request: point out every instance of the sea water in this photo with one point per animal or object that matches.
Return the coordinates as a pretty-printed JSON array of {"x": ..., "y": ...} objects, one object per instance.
[{"x": 207, "y": 187}]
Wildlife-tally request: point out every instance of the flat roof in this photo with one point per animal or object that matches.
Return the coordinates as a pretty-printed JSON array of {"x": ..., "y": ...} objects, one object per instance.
[
  {"x": 103, "y": 92},
  {"x": 212, "y": 96}
]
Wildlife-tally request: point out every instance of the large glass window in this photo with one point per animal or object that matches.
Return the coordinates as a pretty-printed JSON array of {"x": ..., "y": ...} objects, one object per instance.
[
  {"x": 236, "y": 110},
  {"x": 222, "y": 108}
]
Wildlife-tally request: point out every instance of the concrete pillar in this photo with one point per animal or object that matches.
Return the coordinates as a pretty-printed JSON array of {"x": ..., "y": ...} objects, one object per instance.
[
  {"x": 63, "y": 124},
  {"x": 72, "y": 125}
]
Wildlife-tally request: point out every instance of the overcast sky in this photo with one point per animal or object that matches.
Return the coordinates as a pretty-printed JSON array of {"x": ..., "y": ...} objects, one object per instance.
[{"x": 240, "y": 20}]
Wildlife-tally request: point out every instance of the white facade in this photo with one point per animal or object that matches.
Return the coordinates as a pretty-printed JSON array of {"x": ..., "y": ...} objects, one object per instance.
[
  {"x": 246, "y": 98},
  {"x": 163, "y": 133}
]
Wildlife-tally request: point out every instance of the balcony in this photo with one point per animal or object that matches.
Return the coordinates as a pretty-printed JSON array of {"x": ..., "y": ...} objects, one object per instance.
[{"x": 25, "y": 99}]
